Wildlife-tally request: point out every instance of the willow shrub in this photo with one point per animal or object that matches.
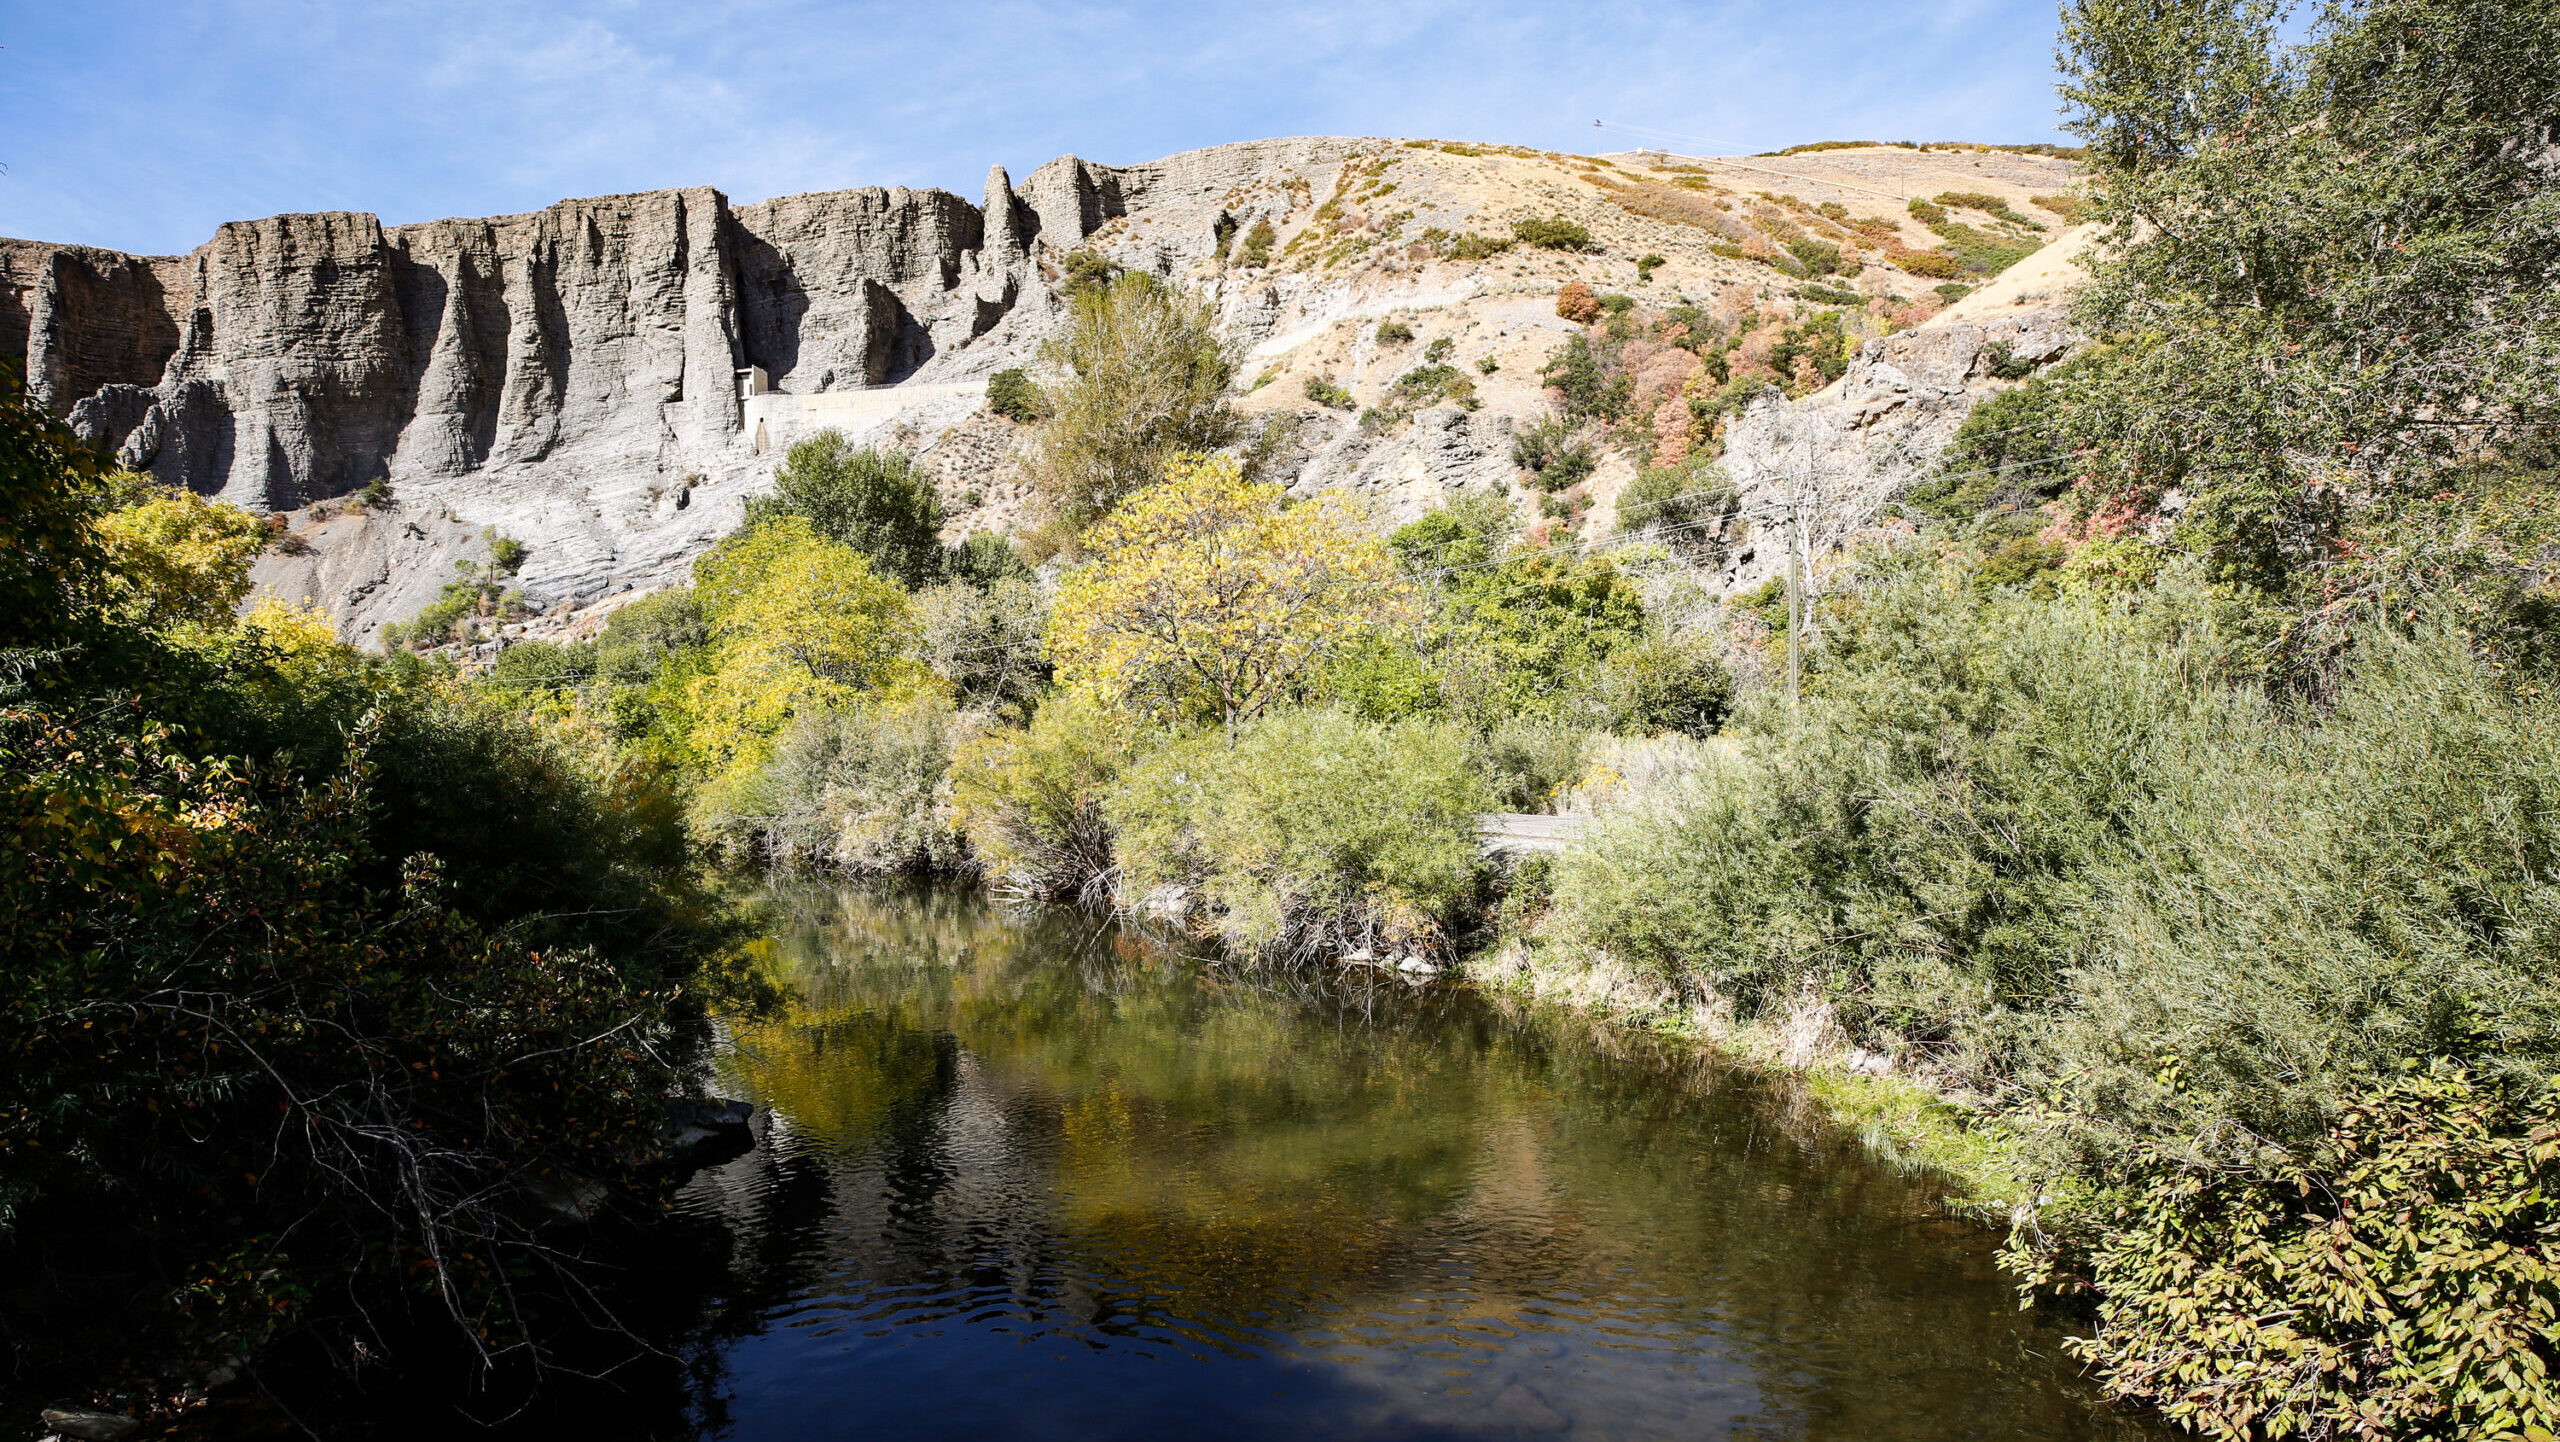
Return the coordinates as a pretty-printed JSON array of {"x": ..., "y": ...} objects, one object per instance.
[
  {"x": 1920, "y": 840},
  {"x": 1030, "y": 802},
  {"x": 2041, "y": 844},
  {"x": 864, "y": 789},
  {"x": 1315, "y": 832},
  {"x": 2308, "y": 900}
]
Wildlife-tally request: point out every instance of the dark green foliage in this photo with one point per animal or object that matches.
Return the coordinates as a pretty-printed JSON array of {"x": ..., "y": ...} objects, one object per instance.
[
  {"x": 1590, "y": 386},
  {"x": 1466, "y": 244},
  {"x": 1488, "y": 365},
  {"x": 50, "y": 486},
  {"x": 1086, "y": 272},
  {"x": 1528, "y": 636},
  {"x": 1659, "y": 685},
  {"x": 983, "y": 558},
  {"x": 1553, "y": 233},
  {"x": 2010, "y": 453},
  {"x": 1554, "y": 460},
  {"x": 1819, "y": 339},
  {"x": 1826, "y": 295},
  {"x": 319, "y": 970},
  {"x": 661, "y": 630},
  {"x": 1514, "y": 632},
  {"x": 639, "y": 638},
  {"x": 873, "y": 500},
  {"x": 1439, "y": 350},
  {"x": 544, "y": 665},
  {"x": 1325, "y": 393},
  {"x": 1818, "y": 257},
  {"x": 1467, "y": 533},
  {"x": 2001, "y": 359},
  {"x": 1698, "y": 329},
  {"x": 506, "y": 555},
  {"x": 2018, "y": 561},
  {"x": 1012, "y": 394},
  {"x": 1394, "y": 332},
  {"x": 1928, "y": 213},
  {"x": 1680, "y": 506},
  {"x": 1646, "y": 265},
  {"x": 2355, "y": 292}
]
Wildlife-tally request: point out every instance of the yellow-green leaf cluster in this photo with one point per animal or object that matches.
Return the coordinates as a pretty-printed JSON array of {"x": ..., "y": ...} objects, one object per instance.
[
  {"x": 1207, "y": 599},
  {"x": 797, "y": 622},
  {"x": 2410, "y": 1292},
  {"x": 175, "y": 556}
]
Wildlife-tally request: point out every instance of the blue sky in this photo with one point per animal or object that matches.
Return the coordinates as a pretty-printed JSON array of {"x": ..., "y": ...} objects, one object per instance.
[{"x": 142, "y": 126}]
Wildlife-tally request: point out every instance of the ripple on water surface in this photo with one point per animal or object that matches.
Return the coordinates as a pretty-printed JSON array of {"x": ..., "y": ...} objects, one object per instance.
[{"x": 1029, "y": 1179}]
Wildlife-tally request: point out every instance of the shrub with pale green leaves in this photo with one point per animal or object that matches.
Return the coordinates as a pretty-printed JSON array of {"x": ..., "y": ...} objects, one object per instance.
[
  {"x": 1315, "y": 833},
  {"x": 1031, "y": 801},
  {"x": 865, "y": 790}
]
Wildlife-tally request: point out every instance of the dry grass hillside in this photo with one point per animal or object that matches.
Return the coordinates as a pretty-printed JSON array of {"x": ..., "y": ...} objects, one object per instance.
[{"x": 1348, "y": 274}]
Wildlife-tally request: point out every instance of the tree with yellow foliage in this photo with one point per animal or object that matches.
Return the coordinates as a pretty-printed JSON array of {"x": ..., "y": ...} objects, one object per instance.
[
  {"x": 797, "y": 622},
  {"x": 1207, "y": 599},
  {"x": 175, "y": 556}
]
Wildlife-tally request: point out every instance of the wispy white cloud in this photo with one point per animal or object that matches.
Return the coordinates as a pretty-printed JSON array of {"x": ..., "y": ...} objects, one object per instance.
[{"x": 129, "y": 125}]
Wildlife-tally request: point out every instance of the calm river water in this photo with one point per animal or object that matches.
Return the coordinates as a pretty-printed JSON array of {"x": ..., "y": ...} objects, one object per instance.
[{"x": 1028, "y": 1179}]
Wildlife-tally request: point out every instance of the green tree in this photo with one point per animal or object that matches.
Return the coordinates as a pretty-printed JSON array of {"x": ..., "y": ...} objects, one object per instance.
[
  {"x": 2326, "y": 269},
  {"x": 797, "y": 623},
  {"x": 1145, "y": 378},
  {"x": 873, "y": 500}
]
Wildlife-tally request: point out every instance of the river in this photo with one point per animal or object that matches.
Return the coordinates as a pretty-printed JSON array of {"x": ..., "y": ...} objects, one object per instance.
[{"x": 1031, "y": 1178}]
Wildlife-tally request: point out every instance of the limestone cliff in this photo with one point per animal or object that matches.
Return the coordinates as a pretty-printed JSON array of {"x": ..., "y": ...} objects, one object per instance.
[{"x": 608, "y": 379}]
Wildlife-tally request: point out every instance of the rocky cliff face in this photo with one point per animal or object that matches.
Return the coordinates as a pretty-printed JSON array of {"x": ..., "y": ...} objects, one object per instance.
[
  {"x": 570, "y": 376},
  {"x": 573, "y": 377},
  {"x": 1843, "y": 452}
]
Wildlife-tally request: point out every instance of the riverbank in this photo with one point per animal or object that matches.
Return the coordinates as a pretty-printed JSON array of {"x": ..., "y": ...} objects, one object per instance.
[{"x": 1915, "y": 1123}]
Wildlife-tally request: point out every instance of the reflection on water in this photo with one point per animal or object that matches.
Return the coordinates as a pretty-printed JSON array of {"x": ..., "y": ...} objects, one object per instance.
[{"x": 1028, "y": 1179}]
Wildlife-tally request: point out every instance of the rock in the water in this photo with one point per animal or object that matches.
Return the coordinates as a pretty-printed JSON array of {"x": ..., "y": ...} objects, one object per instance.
[
  {"x": 708, "y": 1122},
  {"x": 84, "y": 1426}
]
